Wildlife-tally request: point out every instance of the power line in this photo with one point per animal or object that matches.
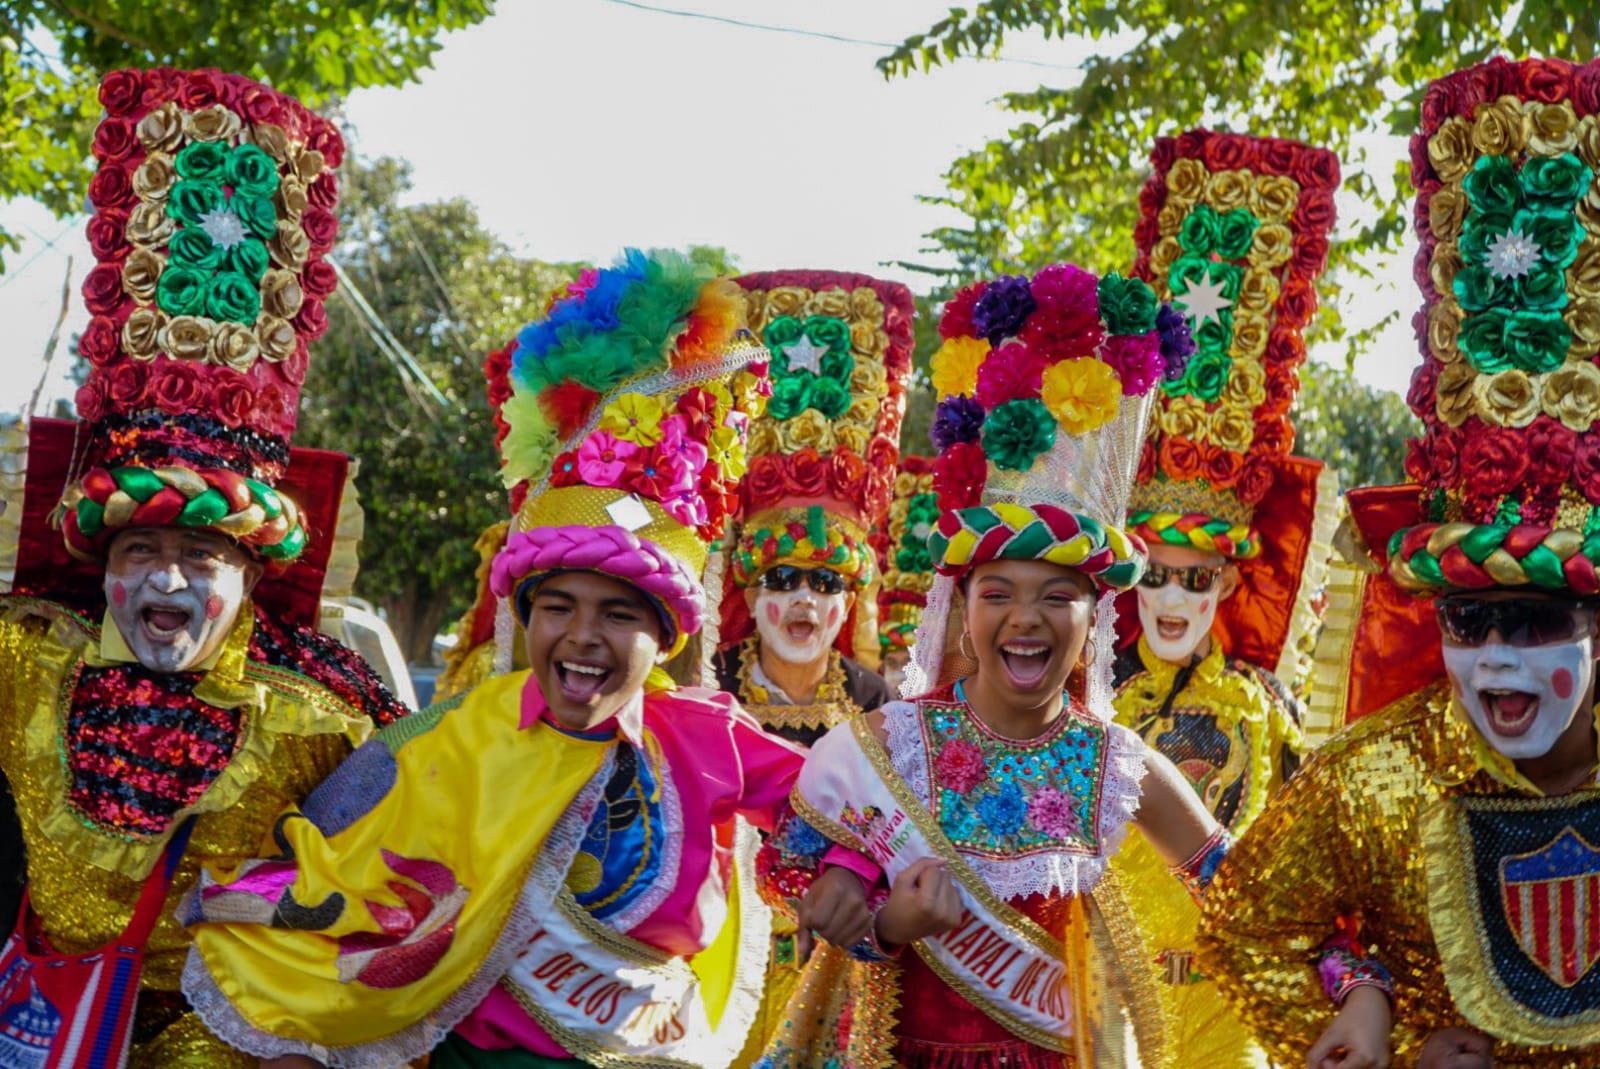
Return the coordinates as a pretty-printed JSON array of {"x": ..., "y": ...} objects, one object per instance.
[{"x": 822, "y": 35}]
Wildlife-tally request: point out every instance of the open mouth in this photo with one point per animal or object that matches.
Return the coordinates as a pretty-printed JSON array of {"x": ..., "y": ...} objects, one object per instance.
[
  {"x": 1511, "y": 712},
  {"x": 800, "y": 632},
  {"x": 580, "y": 682},
  {"x": 164, "y": 623},
  {"x": 1171, "y": 628},
  {"x": 1025, "y": 663}
]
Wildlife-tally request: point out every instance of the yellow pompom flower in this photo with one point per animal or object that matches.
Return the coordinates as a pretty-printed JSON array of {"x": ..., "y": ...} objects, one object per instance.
[
  {"x": 955, "y": 366},
  {"x": 634, "y": 417},
  {"x": 1081, "y": 394}
]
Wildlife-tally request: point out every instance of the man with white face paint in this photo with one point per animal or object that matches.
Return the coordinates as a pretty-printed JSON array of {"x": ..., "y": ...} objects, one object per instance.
[{"x": 1426, "y": 890}]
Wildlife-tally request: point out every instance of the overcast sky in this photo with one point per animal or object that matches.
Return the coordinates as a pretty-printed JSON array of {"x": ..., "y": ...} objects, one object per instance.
[{"x": 581, "y": 127}]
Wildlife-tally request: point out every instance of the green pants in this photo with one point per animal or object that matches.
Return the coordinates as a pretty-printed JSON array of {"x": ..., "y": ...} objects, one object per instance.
[{"x": 457, "y": 1053}]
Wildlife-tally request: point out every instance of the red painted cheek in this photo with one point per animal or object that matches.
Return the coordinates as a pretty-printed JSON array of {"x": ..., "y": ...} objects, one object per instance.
[
  {"x": 119, "y": 594},
  {"x": 1205, "y": 606},
  {"x": 1561, "y": 683},
  {"x": 773, "y": 613},
  {"x": 214, "y": 607},
  {"x": 833, "y": 616}
]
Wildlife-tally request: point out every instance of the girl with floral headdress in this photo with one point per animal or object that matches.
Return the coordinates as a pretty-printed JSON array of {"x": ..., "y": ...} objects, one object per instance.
[{"x": 994, "y": 798}]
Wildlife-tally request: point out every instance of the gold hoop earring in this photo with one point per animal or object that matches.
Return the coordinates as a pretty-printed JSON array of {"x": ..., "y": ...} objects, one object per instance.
[
  {"x": 1090, "y": 652},
  {"x": 961, "y": 644}
]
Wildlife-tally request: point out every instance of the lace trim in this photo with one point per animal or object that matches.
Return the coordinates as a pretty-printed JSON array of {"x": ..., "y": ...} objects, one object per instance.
[
  {"x": 538, "y": 895},
  {"x": 1045, "y": 873}
]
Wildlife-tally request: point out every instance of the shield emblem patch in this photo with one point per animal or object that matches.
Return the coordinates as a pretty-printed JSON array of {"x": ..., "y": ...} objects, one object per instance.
[{"x": 1552, "y": 905}]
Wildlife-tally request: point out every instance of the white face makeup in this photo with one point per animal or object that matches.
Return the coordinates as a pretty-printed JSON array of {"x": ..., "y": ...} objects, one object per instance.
[
  {"x": 1521, "y": 699},
  {"x": 798, "y": 626},
  {"x": 175, "y": 594},
  {"x": 1176, "y": 621}
]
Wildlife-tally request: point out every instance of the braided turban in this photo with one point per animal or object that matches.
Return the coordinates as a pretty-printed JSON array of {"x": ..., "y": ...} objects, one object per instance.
[
  {"x": 1464, "y": 556},
  {"x": 1196, "y": 530},
  {"x": 966, "y": 538}
]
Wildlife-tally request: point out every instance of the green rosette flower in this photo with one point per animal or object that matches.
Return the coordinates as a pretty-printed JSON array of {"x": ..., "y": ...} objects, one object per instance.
[
  {"x": 1237, "y": 231},
  {"x": 1127, "y": 305},
  {"x": 232, "y": 298},
  {"x": 1492, "y": 187},
  {"x": 251, "y": 172},
  {"x": 1215, "y": 336},
  {"x": 1497, "y": 339},
  {"x": 830, "y": 397},
  {"x": 1201, "y": 230},
  {"x": 1207, "y": 374},
  {"x": 181, "y": 290},
  {"x": 193, "y": 247},
  {"x": 791, "y": 394},
  {"x": 257, "y": 214},
  {"x": 796, "y": 389},
  {"x": 1017, "y": 432},
  {"x": 191, "y": 201},
  {"x": 202, "y": 161},
  {"x": 1555, "y": 182},
  {"x": 249, "y": 258}
]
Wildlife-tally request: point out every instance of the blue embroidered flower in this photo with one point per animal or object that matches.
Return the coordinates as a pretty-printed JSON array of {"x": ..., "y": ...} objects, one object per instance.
[
  {"x": 1003, "y": 811},
  {"x": 801, "y": 838},
  {"x": 956, "y": 818}
]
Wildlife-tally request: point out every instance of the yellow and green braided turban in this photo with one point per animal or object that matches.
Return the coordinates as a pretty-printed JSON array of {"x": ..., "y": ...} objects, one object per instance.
[{"x": 968, "y": 537}]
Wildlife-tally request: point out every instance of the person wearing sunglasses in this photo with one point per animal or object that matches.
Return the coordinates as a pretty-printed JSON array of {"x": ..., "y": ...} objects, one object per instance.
[{"x": 1423, "y": 892}]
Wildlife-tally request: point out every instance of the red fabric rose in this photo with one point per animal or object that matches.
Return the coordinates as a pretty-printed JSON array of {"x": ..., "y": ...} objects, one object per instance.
[
  {"x": 111, "y": 187},
  {"x": 312, "y": 320},
  {"x": 178, "y": 388},
  {"x": 1228, "y": 152},
  {"x": 1162, "y": 156},
  {"x": 1586, "y": 90},
  {"x": 1180, "y": 458},
  {"x": 1310, "y": 256},
  {"x": 1152, "y": 195},
  {"x": 273, "y": 412},
  {"x": 1297, "y": 300},
  {"x": 232, "y": 398},
  {"x": 764, "y": 483},
  {"x": 1147, "y": 462},
  {"x": 326, "y": 140},
  {"x": 1285, "y": 346},
  {"x": 321, "y": 228},
  {"x": 200, "y": 89},
  {"x": 120, "y": 92},
  {"x": 956, "y": 321},
  {"x": 115, "y": 141},
  {"x": 958, "y": 476},
  {"x": 319, "y": 280},
  {"x": 324, "y": 192},
  {"x": 1222, "y": 467},
  {"x": 108, "y": 238},
  {"x": 1141, "y": 269},
  {"x": 1315, "y": 168},
  {"x": 848, "y": 475},
  {"x": 1274, "y": 437},
  {"x": 102, "y": 289},
  {"x": 1423, "y": 394},
  {"x": 1282, "y": 387},
  {"x": 125, "y": 385},
  {"x": 807, "y": 473},
  {"x": 90, "y": 400},
  {"x": 1146, "y": 232},
  {"x": 1586, "y": 467},
  {"x": 1494, "y": 460},
  {"x": 1417, "y": 465},
  {"x": 1550, "y": 447},
  {"x": 1546, "y": 80},
  {"x": 1444, "y": 454},
  {"x": 1277, "y": 155},
  {"x": 260, "y": 104},
  {"x": 294, "y": 367},
  {"x": 1191, "y": 144},
  {"x": 1315, "y": 210},
  {"x": 1500, "y": 77},
  {"x": 1421, "y": 165},
  {"x": 160, "y": 86},
  {"x": 1438, "y": 104},
  {"x": 99, "y": 342},
  {"x": 1255, "y": 480}
]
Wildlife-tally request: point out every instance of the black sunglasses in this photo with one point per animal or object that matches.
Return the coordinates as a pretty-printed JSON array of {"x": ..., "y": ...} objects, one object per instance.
[
  {"x": 786, "y": 577},
  {"x": 1520, "y": 621},
  {"x": 1196, "y": 579}
]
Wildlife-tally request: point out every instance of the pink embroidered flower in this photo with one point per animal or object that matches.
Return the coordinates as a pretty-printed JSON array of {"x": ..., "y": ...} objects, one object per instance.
[
  {"x": 1050, "y": 810},
  {"x": 602, "y": 458},
  {"x": 960, "y": 766}
]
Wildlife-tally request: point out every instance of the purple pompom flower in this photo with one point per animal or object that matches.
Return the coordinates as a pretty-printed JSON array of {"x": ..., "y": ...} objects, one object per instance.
[
  {"x": 957, "y": 419},
  {"x": 1003, "y": 308},
  {"x": 1177, "y": 342}
]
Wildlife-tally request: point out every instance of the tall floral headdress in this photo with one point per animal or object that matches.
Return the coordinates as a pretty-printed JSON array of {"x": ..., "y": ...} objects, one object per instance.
[
  {"x": 630, "y": 406},
  {"x": 1045, "y": 385},
  {"x": 1233, "y": 230},
  {"x": 213, "y": 203},
  {"x": 902, "y": 545},
  {"x": 823, "y": 456}
]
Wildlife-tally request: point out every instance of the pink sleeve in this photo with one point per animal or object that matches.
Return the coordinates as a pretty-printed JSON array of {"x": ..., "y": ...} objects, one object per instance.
[
  {"x": 769, "y": 765},
  {"x": 867, "y": 870}
]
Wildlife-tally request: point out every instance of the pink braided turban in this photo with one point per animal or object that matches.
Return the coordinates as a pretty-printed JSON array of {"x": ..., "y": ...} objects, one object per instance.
[{"x": 610, "y": 551}]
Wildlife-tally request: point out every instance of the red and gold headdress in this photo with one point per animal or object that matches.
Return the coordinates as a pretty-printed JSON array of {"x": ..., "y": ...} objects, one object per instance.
[
  {"x": 213, "y": 203},
  {"x": 822, "y": 458}
]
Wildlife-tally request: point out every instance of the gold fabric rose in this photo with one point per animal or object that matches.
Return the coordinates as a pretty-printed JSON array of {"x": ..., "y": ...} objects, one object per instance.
[
  {"x": 1450, "y": 149},
  {"x": 235, "y": 345},
  {"x": 1233, "y": 427},
  {"x": 786, "y": 301},
  {"x": 1588, "y": 141},
  {"x": 1272, "y": 246},
  {"x": 809, "y": 428},
  {"x": 1584, "y": 318},
  {"x": 865, "y": 304},
  {"x": 270, "y": 138},
  {"x": 1500, "y": 128},
  {"x": 1584, "y": 274},
  {"x": 149, "y": 225},
  {"x": 1446, "y": 208},
  {"x": 829, "y": 302},
  {"x": 1185, "y": 417},
  {"x": 1274, "y": 197},
  {"x": 868, "y": 379},
  {"x": 187, "y": 337},
  {"x": 281, "y": 294},
  {"x": 1552, "y": 128},
  {"x": 1589, "y": 209},
  {"x": 308, "y": 165},
  {"x": 1186, "y": 182},
  {"x": 140, "y": 274},
  {"x": 763, "y": 438},
  {"x": 290, "y": 246},
  {"x": 213, "y": 123},
  {"x": 141, "y": 334},
  {"x": 1443, "y": 266},
  {"x": 1258, "y": 291},
  {"x": 1247, "y": 385},
  {"x": 154, "y": 177},
  {"x": 853, "y": 437},
  {"x": 1229, "y": 189},
  {"x": 276, "y": 338},
  {"x": 1444, "y": 328},
  {"x": 863, "y": 411},
  {"x": 290, "y": 198},
  {"x": 1169, "y": 220},
  {"x": 1249, "y": 335},
  {"x": 1571, "y": 394},
  {"x": 1507, "y": 399},
  {"x": 162, "y": 129},
  {"x": 1162, "y": 256},
  {"x": 867, "y": 339},
  {"x": 1453, "y": 397}
]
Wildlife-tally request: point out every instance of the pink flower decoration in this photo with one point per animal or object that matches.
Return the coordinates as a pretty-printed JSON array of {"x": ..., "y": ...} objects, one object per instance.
[
  {"x": 1051, "y": 811},
  {"x": 1012, "y": 373},
  {"x": 687, "y": 507},
  {"x": 602, "y": 458},
  {"x": 676, "y": 440},
  {"x": 1137, "y": 360},
  {"x": 658, "y": 474},
  {"x": 960, "y": 766},
  {"x": 1066, "y": 322}
]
